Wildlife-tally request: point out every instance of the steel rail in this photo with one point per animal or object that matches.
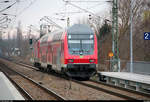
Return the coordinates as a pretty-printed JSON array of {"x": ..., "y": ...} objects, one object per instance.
[
  {"x": 98, "y": 88},
  {"x": 26, "y": 65},
  {"x": 105, "y": 90},
  {"x": 23, "y": 92},
  {"x": 54, "y": 94},
  {"x": 113, "y": 86},
  {"x": 121, "y": 88},
  {"x": 88, "y": 85}
]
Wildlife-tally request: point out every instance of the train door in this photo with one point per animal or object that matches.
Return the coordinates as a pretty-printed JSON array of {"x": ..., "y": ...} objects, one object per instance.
[
  {"x": 48, "y": 55},
  {"x": 40, "y": 54},
  {"x": 62, "y": 54},
  {"x": 38, "y": 51},
  {"x": 58, "y": 59},
  {"x": 53, "y": 56}
]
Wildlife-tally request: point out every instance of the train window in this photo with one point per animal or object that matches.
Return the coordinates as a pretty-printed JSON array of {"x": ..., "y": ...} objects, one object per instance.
[
  {"x": 57, "y": 36},
  {"x": 44, "y": 39},
  {"x": 87, "y": 41},
  {"x": 73, "y": 41},
  {"x": 82, "y": 36},
  {"x": 87, "y": 44},
  {"x": 84, "y": 46},
  {"x": 74, "y": 44}
]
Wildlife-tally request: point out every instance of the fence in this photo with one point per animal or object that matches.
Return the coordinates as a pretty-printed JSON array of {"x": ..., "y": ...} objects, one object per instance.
[{"x": 140, "y": 67}]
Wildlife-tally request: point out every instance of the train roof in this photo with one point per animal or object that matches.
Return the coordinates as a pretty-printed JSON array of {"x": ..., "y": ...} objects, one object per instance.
[
  {"x": 80, "y": 29},
  {"x": 75, "y": 29},
  {"x": 50, "y": 36}
]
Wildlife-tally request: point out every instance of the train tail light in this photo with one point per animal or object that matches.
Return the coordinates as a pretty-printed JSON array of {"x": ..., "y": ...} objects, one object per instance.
[
  {"x": 70, "y": 60},
  {"x": 91, "y": 60}
]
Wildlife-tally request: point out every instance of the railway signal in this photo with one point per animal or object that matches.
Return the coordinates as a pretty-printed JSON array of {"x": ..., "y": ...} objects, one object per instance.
[
  {"x": 110, "y": 54},
  {"x": 30, "y": 41}
]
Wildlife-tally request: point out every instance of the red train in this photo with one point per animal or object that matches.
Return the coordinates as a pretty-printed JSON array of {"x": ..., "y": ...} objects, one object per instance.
[{"x": 72, "y": 51}]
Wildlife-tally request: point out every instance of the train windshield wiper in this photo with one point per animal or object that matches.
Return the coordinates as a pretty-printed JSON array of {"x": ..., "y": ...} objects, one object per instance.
[
  {"x": 81, "y": 52},
  {"x": 74, "y": 51}
]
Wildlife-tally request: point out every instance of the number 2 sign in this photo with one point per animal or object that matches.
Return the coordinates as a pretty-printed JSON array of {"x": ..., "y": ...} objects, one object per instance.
[{"x": 147, "y": 36}]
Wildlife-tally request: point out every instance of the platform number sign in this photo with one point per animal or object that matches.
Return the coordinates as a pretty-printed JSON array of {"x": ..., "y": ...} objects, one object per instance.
[{"x": 147, "y": 36}]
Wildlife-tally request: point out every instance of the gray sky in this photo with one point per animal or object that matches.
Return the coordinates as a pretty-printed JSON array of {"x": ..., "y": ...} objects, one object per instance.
[
  {"x": 39, "y": 9},
  {"x": 48, "y": 7},
  {"x": 42, "y": 8}
]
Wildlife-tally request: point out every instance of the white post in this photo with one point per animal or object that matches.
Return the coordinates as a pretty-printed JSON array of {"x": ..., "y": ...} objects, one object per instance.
[{"x": 131, "y": 42}]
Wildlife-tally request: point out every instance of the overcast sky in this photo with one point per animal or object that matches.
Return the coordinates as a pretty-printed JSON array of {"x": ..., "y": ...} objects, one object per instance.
[{"x": 49, "y": 7}]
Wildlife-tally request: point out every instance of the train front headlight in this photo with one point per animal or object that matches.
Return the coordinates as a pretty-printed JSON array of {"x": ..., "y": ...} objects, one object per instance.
[
  {"x": 91, "y": 60},
  {"x": 70, "y": 61}
]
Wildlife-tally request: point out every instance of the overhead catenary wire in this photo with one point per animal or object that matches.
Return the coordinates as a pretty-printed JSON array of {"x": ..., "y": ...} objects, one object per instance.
[
  {"x": 68, "y": 2},
  {"x": 32, "y": 2},
  {"x": 13, "y": 19},
  {"x": 18, "y": 14},
  {"x": 47, "y": 19},
  {"x": 4, "y": 21},
  {"x": 96, "y": 5},
  {"x": 6, "y": 17},
  {"x": 8, "y": 7},
  {"x": 3, "y": 18}
]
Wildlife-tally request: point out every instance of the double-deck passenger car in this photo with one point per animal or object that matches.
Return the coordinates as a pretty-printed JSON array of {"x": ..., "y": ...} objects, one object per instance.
[{"x": 72, "y": 51}]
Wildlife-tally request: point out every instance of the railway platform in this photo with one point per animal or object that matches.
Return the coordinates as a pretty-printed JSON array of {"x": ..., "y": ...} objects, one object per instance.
[
  {"x": 133, "y": 81},
  {"x": 7, "y": 89}
]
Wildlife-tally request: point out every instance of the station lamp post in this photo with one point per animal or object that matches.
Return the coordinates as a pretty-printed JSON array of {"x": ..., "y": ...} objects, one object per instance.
[{"x": 131, "y": 38}]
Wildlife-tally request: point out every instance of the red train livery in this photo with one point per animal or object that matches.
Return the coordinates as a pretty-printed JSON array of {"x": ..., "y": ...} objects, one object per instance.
[{"x": 72, "y": 51}]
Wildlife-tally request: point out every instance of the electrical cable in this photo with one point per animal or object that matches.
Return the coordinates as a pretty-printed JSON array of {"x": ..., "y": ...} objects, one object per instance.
[
  {"x": 3, "y": 18},
  {"x": 17, "y": 15},
  {"x": 8, "y": 7},
  {"x": 32, "y": 2},
  {"x": 4, "y": 21}
]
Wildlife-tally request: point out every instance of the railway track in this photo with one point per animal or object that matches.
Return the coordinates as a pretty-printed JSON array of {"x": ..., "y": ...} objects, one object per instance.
[
  {"x": 110, "y": 89},
  {"x": 24, "y": 93},
  {"x": 33, "y": 91},
  {"x": 113, "y": 90},
  {"x": 128, "y": 91}
]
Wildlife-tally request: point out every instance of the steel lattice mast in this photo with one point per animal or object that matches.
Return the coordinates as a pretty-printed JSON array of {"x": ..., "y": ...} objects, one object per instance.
[{"x": 115, "y": 49}]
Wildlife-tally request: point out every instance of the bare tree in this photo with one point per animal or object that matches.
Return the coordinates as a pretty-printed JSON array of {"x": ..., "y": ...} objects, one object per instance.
[
  {"x": 124, "y": 14},
  {"x": 139, "y": 27},
  {"x": 19, "y": 36}
]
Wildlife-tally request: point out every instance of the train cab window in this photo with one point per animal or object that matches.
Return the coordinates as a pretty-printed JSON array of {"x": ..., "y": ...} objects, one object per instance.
[
  {"x": 74, "y": 44},
  {"x": 88, "y": 46},
  {"x": 84, "y": 46}
]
